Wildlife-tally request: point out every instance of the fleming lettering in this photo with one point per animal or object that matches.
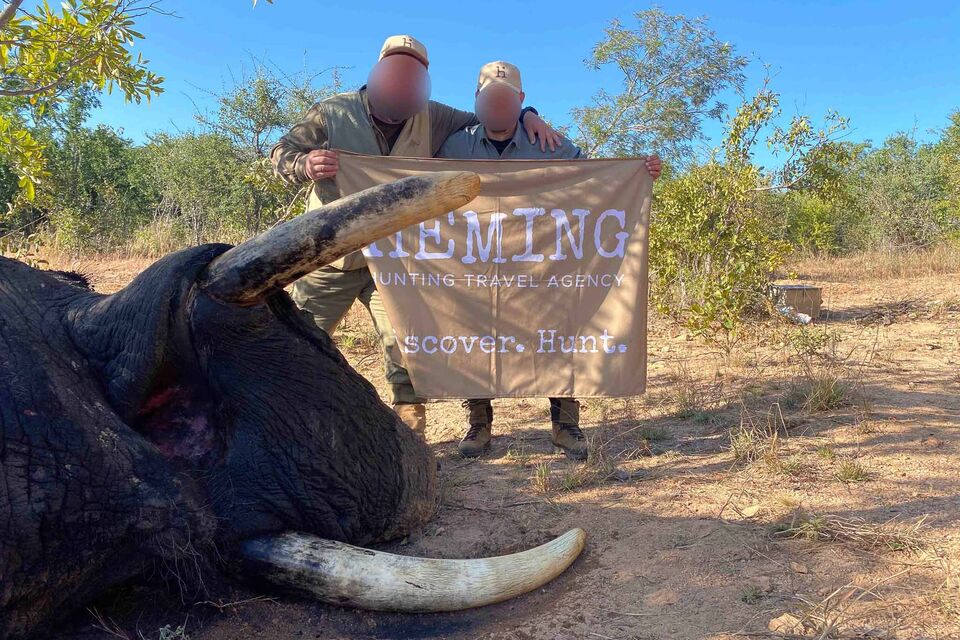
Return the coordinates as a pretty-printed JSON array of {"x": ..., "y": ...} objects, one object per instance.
[{"x": 605, "y": 232}]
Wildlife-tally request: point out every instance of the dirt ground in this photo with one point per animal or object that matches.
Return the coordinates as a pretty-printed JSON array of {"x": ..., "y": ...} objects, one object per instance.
[{"x": 797, "y": 482}]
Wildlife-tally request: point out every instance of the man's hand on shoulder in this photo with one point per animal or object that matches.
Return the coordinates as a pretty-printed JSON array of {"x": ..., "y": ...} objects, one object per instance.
[
  {"x": 321, "y": 163},
  {"x": 537, "y": 128}
]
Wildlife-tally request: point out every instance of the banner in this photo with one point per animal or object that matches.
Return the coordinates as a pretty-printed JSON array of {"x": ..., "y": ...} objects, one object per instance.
[{"x": 538, "y": 287}]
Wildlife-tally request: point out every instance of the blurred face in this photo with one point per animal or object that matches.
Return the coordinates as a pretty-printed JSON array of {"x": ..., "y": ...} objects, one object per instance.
[
  {"x": 398, "y": 88},
  {"x": 498, "y": 107}
]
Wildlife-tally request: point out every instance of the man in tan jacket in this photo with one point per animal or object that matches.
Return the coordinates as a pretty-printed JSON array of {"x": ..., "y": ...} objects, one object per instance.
[{"x": 390, "y": 115}]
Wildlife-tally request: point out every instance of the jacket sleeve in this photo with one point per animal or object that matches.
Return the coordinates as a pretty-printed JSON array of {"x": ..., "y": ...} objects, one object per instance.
[
  {"x": 445, "y": 121},
  {"x": 289, "y": 154}
]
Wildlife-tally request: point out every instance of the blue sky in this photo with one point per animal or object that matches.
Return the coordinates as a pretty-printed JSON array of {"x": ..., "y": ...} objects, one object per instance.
[{"x": 889, "y": 66}]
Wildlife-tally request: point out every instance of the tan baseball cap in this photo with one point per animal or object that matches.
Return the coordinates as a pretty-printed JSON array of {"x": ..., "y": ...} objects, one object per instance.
[
  {"x": 499, "y": 72},
  {"x": 405, "y": 44}
]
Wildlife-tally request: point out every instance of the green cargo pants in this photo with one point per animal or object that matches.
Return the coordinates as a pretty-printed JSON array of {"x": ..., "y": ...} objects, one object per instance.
[{"x": 328, "y": 293}]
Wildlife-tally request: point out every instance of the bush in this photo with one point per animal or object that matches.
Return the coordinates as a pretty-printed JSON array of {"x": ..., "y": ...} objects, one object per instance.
[
  {"x": 903, "y": 192},
  {"x": 812, "y": 224},
  {"x": 98, "y": 191},
  {"x": 711, "y": 252},
  {"x": 103, "y": 193},
  {"x": 714, "y": 240}
]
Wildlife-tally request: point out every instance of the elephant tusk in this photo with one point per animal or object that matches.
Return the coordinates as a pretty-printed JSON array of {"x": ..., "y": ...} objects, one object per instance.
[{"x": 351, "y": 576}]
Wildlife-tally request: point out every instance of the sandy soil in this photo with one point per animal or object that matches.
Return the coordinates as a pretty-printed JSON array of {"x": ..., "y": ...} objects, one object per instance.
[{"x": 684, "y": 541}]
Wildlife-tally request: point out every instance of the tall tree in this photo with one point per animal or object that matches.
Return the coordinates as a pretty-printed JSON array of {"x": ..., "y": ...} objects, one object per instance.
[
  {"x": 672, "y": 69},
  {"x": 252, "y": 112},
  {"x": 264, "y": 102}
]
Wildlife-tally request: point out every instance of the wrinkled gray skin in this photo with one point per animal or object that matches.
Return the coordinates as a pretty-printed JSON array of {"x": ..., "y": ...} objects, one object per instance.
[{"x": 157, "y": 428}]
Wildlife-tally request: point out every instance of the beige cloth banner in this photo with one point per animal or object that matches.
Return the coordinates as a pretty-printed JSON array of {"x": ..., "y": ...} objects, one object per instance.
[{"x": 538, "y": 287}]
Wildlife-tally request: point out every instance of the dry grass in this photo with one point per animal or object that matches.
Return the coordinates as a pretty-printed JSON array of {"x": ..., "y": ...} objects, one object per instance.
[
  {"x": 752, "y": 594},
  {"x": 947, "y": 595},
  {"x": 164, "y": 234},
  {"x": 355, "y": 334},
  {"x": 890, "y": 535},
  {"x": 823, "y": 381},
  {"x": 541, "y": 478},
  {"x": 872, "y": 611},
  {"x": 851, "y": 471},
  {"x": 826, "y": 452},
  {"x": 109, "y": 627},
  {"x": 758, "y": 437},
  {"x": 518, "y": 451},
  {"x": 691, "y": 398},
  {"x": 598, "y": 468},
  {"x": 880, "y": 265},
  {"x": 818, "y": 389},
  {"x": 839, "y": 616}
]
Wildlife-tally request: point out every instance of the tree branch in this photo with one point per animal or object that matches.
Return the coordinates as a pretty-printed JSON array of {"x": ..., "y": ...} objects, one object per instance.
[
  {"x": 612, "y": 123},
  {"x": 32, "y": 91},
  {"x": 8, "y": 12},
  {"x": 70, "y": 64}
]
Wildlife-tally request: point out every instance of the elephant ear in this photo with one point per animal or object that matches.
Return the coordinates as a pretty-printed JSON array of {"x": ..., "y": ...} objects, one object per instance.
[
  {"x": 86, "y": 501},
  {"x": 128, "y": 336}
]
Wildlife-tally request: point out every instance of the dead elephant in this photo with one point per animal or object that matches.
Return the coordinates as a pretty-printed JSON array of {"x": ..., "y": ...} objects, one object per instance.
[{"x": 196, "y": 420}]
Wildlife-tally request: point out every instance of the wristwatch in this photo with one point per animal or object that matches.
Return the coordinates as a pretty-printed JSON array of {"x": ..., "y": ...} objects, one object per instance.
[{"x": 523, "y": 112}]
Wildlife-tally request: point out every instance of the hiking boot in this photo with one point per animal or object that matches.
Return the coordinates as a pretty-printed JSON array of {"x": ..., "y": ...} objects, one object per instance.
[
  {"x": 564, "y": 411},
  {"x": 570, "y": 440},
  {"x": 414, "y": 416},
  {"x": 476, "y": 441},
  {"x": 565, "y": 416},
  {"x": 480, "y": 419}
]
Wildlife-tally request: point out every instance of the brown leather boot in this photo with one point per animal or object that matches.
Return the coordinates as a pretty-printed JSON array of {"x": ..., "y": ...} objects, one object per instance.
[
  {"x": 571, "y": 441},
  {"x": 567, "y": 436},
  {"x": 480, "y": 419},
  {"x": 414, "y": 416}
]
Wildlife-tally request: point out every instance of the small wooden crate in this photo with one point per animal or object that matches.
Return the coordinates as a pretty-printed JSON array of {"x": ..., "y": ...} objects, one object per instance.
[{"x": 803, "y": 298}]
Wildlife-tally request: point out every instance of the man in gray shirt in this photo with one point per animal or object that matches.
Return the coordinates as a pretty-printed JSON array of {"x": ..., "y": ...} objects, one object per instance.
[
  {"x": 499, "y": 94},
  {"x": 497, "y": 137}
]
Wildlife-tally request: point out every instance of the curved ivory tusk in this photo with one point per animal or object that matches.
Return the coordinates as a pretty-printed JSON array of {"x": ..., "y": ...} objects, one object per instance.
[
  {"x": 275, "y": 258},
  {"x": 342, "y": 574}
]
